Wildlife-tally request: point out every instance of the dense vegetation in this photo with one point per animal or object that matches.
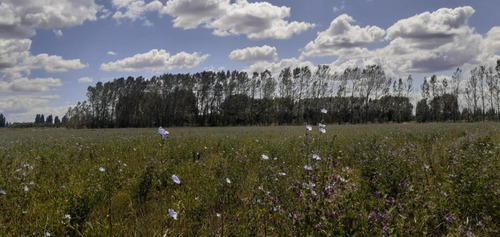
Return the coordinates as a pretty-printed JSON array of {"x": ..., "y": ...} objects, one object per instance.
[
  {"x": 393, "y": 179},
  {"x": 357, "y": 95}
]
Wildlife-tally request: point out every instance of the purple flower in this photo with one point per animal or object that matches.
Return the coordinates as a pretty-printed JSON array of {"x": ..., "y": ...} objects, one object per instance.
[
  {"x": 172, "y": 213},
  {"x": 163, "y": 132},
  {"x": 176, "y": 179},
  {"x": 449, "y": 218},
  {"x": 324, "y": 111}
]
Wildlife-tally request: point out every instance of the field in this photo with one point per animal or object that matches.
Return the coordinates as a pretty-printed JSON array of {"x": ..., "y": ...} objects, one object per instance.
[{"x": 388, "y": 179}]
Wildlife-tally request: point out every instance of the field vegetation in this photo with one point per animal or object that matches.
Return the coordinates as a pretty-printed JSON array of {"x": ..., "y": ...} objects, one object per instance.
[{"x": 388, "y": 179}]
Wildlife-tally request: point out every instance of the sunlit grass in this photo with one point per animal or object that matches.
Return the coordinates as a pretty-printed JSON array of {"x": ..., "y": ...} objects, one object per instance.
[{"x": 389, "y": 179}]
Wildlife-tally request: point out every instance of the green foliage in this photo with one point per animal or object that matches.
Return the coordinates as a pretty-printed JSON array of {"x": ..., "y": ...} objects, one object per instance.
[{"x": 393, "y": 179}]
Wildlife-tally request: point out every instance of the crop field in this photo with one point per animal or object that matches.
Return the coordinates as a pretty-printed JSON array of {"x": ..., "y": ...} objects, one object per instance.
[{"x": 353, "y": 180}]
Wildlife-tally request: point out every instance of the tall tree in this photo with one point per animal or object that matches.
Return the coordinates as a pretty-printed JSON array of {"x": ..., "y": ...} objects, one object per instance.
[{"x": 2, "y": 120}]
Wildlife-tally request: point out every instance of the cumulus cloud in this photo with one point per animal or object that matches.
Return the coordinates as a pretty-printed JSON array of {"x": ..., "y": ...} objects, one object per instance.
[
  {"x": 30, "y": 85},
  {"x": 85, "y": 80},
  {"x": 254, "y": 54},
  {"x": 342, "y": 37},
  {"x": 441, "y": 24},
  {"x": 424, "y": 43},
  {"x": 492, "y": 40},
  {"x": 155, "y": 60},
  {"x": 23, "y": 108},
  {"x": 276, "y": 67},
  {"x": 135, "y": 9},
  {"x": 257, "y": 20},
  {"x": 20, "y": 18},
  {"x": 16, "y": 64}
]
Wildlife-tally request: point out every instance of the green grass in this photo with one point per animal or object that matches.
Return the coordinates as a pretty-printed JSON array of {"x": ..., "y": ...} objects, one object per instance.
[{"x": 371, "y": 180}]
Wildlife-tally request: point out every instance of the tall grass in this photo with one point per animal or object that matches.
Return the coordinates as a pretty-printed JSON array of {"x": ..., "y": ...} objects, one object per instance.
[{"x": 398, "y": 179}]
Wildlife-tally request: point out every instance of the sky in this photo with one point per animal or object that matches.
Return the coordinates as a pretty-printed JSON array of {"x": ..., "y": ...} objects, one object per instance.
[{"x": 51, "y": 51}]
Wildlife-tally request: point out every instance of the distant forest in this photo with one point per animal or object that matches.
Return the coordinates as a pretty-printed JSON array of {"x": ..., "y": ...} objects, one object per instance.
[{"x": 296, "y": 96}]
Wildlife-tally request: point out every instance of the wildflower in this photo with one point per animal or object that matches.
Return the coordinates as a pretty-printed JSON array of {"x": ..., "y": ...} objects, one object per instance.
[
  {"x": 324, "y": 111},
  {"x": 2, "y": 192},
  {"x": 282, "y": 173},
  {"x": 321, "y": 125},
  {"x": 172, "y": 213},
  {"x": 322, "y": 130},
  {"x": 264, "y": 157},
  {"x": 67, "y": 216},
  {"x": 163, "y": 132},
  {"x": 26, "y": 188},
  {"x": 449, "y": 217},
  {"x": 47, "y": 234},
  {"x": 176, "y": 179},
  {"x": 307, "y": 167},
  {"x": 316, "y": 157},
  {"x": 217, "y": 215},
  {"x": 228, "y": 180},
  {"x": 276, "y": 208},
  {"x": 426, "y": 166},
  {"x": 309, "y": 128},
  {"x": 102, "y": 169}
]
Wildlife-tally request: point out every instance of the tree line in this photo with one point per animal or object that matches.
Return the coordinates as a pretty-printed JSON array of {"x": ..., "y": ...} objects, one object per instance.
[{"x": 295, "y": 96}]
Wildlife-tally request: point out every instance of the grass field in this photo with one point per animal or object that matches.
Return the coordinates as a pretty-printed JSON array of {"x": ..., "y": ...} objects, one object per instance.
[{"x": 388, "y": 179}]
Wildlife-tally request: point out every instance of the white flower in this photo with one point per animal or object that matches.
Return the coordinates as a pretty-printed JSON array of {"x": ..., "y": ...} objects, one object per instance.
[
  {"x": 264, "y": 157},
  {"x": 426, "y": 166},
  {"x": 282, "y": 173},
  {"x": 307, "y": 167},
  {"x": 172, "y": 213},
  {"x": 321, "y": 125},
  {"x": 67, "y": 216},
  {"x": 47, "y": 234},
  {"x": 309, "y": 128},
  {"x": 322, "y": 130},
  {"x": 26, "y": 188},
  {"x": 102, "y": 169},
  {"x": 217, "y": 215},
  {"x": 228, "y": 180},
  {"x": 176, "y": 179},
  {"x": 2, "y": 192},
  {"x": 324, "y": 111},
  {"x": 316, "y": 157}
]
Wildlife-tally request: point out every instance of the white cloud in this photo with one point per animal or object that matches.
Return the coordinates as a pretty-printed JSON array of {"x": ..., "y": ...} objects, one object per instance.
[
  {"x": 155, "y": 60},
  {"x": 85, "y": 80},
  {"x": 20, "y": 18},
  {"x": 23, "y": 108},
  {"x": 52, "y": 63},
  {"x": 58, "y": 32},
  {"x": 276, "y": 67},
  {"x": 425, "y": 43},
  {"x": 341, "y": 37},
  {"x": 493, "y": 40},
  {"x": 441, "y": 24},
  {"x": 31, "y": 85},
  {"x": 254, "y": 54},
  {"x": 135, "y": 9},
  {"x": 257, "y": 20},
  {"x": 111, "y": 53},
  {"x": 16, "y": 64}
]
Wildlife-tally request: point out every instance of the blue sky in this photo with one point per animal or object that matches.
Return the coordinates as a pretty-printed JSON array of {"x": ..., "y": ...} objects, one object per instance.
[{"x": 52, "y": 50}]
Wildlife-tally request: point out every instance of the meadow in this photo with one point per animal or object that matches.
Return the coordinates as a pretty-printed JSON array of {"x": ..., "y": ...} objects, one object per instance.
[{"x": 353, "y": 180}]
